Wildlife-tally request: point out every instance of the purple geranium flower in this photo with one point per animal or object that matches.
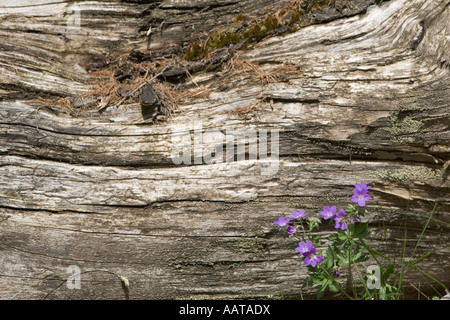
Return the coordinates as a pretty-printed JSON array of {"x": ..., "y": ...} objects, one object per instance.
[
  {"x": 328, "y": 212},
  {"x": 298, "y": 214},
  {"x": 360, "y": 194},
  {"x": 312, "y": 259},
  {"x": 282, "y": 222},
  {"x": 304, "y": 247},
  {"x": 340, "y": 222},
  {"x": 290, "y": 230}
]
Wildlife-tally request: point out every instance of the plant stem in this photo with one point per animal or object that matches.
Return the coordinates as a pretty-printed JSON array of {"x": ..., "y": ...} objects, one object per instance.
[
  {"x": 430, "y": 276},
  {"x": 350, "y": 276},
  {"x": 362, "y": 280},
  {"x": 372, "y": 253},
  {"x": 402, "y": 267},
  {"x": 423, "y": 231},
  {"x": 340, "y": 288}
]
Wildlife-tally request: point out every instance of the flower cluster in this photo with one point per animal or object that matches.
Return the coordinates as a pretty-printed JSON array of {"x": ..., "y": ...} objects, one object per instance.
[
  {"x": 283, "y": 222},
  {"x": 346, "y": 249},
  {"x": 339, "y": 218},
  {"x": 330, "y": 213},
  {"x": 360, "y": 195},
  {"x": 309, "y": 252}
]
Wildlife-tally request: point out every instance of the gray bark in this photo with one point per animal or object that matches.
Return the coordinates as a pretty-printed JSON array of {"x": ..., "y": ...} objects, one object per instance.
[{"x": 359, "y": 93}]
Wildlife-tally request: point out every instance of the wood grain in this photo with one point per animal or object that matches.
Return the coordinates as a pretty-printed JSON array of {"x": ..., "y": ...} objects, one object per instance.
[{"x": 361, "y": 94}]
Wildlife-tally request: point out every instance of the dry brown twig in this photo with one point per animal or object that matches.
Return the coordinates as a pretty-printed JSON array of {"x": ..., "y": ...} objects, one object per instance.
[
  {"x": 246, "y": 109},
  {"x": 142, "y": 84},
  {"x": 236, "y": 64},
  {"x": 13, "y": 15}
]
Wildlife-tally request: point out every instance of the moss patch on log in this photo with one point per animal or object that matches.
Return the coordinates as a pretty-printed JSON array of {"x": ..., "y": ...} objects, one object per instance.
[{"x": 247, "y": 31}]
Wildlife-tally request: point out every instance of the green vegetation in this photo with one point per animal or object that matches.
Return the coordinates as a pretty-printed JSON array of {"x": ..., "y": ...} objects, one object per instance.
[
  {"x": 369, "y": 274},
  {"x": 254, "y": 31}
]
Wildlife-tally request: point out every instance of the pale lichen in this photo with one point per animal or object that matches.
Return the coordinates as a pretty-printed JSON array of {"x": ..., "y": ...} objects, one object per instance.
[
  {"x": 407, "y": 174},
  {"x": 401, "y": 129},
  {"x": 404, "y": 126}
]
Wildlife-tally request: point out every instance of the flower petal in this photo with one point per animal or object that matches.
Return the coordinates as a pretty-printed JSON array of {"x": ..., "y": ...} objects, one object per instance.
[
  {"x": 307, "y": 261},
  {"x": 298, "y": 214}
]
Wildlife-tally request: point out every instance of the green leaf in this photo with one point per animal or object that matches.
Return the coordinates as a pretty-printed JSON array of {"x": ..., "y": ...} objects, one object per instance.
[
  {"x": 334, "y": 286},
  {"x": 363, "y": 258},
  {"x": 358, "y": 255},
  {"x": 332, "y": 237},
  {"x": 316, "y": 240},
  {"x": 313, "y": 222},
  {"x": 318, "y": 280},
  {"x": 360, "y": 230},
  {"x": 341, "y": 258},
  {"x": 348, "y": 246},
  {"x": 320, "y": 292},
  {"x": 342, "y": 237},
  {"x": 329, "y": 257},
  {"x": 373, "y": 252},
  {"x": 308, "y": 282},
  {"x": 351, "y": 209},
  {"x": 418, "y": 260},
  {"x": 321, "y": 288},
  {"x": 387, "y": 273},
  {"x": 382, "y": 293}
]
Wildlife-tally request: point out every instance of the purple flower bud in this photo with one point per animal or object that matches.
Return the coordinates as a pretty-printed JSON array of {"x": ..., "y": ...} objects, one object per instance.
[
  {"x": 340, "y": 222},
  {"x": 290, "y": 230}
]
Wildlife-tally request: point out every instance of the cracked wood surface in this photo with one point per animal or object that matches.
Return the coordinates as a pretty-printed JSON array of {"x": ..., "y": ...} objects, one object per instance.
[{"x": 366, "y": 101}]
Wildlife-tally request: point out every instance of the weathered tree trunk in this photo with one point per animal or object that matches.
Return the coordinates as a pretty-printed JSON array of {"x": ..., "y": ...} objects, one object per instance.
[{"x": 358, "y": 91}]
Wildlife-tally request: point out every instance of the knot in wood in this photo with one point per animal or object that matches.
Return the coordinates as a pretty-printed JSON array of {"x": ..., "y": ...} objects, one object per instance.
[
  {"x": 149, "y": 102},
  {"x": 148, "y": 96}
]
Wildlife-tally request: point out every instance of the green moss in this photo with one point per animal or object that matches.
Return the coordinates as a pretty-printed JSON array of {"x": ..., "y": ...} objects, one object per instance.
[
  {"x": 194, "y": 50},
  {"x": 217, "y": 39},
  {"x": 240, "y": 17},
  {"x": 253, "y": 32},
  {"x": 318, "y": 4},
  {"x": 271, "y": 23},
  {"x": 295, "y": 17}
]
